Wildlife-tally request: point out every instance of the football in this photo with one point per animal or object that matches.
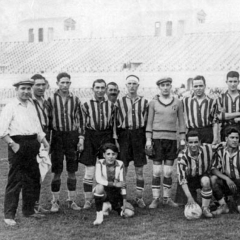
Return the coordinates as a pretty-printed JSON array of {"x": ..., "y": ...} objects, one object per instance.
[
  {"x": 192, "y": 211},
  {"x": 129, "y": 210}
]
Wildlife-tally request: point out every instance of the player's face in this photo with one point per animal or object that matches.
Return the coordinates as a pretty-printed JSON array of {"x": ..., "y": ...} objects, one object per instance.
[
  {"x": 39, "y": 87},
  {"x": 64, "y": 84},
  {"x": 24, "y": 92},
  {"x": 112, "y": 93},
  {"x": 193, "y": 144},
  {"x": 165, "y": 88},
  {"x": 198, "y": 88},
  {"x": 232, "y": 83},
  {"x": 232, "y": 140},
  {"x": 110, "y": 156},
  {"x": 132, "y": 86},
  {"x": 99, "y": 89}
]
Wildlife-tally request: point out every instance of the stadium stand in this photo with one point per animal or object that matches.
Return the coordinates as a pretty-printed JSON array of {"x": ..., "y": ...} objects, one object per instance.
[{"x": 190, "y": 52}]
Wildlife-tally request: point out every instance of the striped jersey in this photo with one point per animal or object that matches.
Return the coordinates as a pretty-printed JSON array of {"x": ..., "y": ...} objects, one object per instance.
[
  {"x": 225, "y": 104},
  {"x": 65, "y": 116},
  {"x": 132, "y": 114},
  {"x": 99, "y": 115},
  {"x": 198, "y": 115},
  {"x": 189, "y": 166},
  {"x": 42, "y": 111},
  {"x": 226, "y": 163},
  {"x": 106, "y": 175}
]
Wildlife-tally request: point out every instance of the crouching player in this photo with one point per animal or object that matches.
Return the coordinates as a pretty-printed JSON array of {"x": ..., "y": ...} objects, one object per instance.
[
  {"x": 226, "y": 171},
  {"x": 193, "y": 166},
  {"x": 110, "y": 192}
]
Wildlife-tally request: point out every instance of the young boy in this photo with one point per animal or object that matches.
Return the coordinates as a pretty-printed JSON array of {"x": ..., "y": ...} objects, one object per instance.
[{"x": 111, "y": 185}]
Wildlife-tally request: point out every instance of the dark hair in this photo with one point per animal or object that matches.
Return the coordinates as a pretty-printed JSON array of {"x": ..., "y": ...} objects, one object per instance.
[
  {"x": 38, "y": 76},
  {"x": 233, "y": 74},
  {"x": 62, "y": 75},
  {"x": 99, "y": 81},
  {"x": 111, "y": 146},
  {"x": 192, "y": 133},
  {"x": 133, "y": 76},
  {"x": 199, "y": 77},
  {"x": 231, "y": 129},
  {"x": 112, "y": 83}
]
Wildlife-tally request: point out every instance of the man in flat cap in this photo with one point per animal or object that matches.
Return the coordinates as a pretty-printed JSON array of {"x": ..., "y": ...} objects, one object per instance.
[
  {"x": 21, "y": 130},
  {"x": 131, "y": 123},
  {"x": 161, "y": 133}
]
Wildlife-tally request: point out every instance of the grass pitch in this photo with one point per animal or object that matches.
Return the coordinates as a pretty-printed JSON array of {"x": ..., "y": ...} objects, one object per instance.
[{"x": 163, "y": 223}]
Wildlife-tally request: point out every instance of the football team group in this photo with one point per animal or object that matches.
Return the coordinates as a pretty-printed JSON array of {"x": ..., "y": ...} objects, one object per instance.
[{"x": 106, "y": 133}]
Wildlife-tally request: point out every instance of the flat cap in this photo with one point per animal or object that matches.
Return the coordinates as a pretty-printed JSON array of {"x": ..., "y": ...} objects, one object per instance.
[
  {"x": 23, "y": 82},
  {"x": 165, "y": 79}
]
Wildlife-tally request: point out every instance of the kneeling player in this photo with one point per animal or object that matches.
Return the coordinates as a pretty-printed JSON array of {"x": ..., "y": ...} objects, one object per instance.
[
  {"x": 193, "y": 166},
  {"x": 226, "y": 171},
  {"x": 111, "y": 186}
]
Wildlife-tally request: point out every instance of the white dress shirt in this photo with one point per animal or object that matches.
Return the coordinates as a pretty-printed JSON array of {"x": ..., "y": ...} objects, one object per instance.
[{"x": 17, "y": 119}]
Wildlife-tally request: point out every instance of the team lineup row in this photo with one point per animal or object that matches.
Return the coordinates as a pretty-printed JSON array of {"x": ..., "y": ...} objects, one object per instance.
[{"x": 103, "y": 130}]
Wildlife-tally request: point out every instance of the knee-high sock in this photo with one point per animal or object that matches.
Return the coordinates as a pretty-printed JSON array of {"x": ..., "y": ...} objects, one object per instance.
[
  {"x": 140, "y": 188},
  {"x": 55, "y": 187},
  {"x": 99, "y": 198},
  {"x": 156, "y": 181},
  {"x": 88, "y": 183},
  {"x": 206, "y": 197},
  {"x": 71, "y": 185},
  {"x": 167, "y": 181}
]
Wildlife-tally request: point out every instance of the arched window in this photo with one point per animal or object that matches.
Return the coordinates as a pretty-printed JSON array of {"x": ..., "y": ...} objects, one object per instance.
[{"x": 40, "y": 34}]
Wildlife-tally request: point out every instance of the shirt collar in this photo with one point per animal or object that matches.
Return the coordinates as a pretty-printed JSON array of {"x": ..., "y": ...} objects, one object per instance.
[
  {"x": 18, "y": 102},
  {"x": 234, "y": 154},
  {"x": 70, "y": 94},
  {"x": 205, "y": 97},
  {"x": 95, "y": 100},
  {"x": 136, "y": 99},
  {"x": 189, "y": 153}
]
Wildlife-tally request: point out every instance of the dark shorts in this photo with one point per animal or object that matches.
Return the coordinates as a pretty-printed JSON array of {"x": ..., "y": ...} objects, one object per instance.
[
  {"x": 64, "y": 144},
  {"x": 113, "y": 195},
  {"x": 132, "y": 146},
  {"x": 165, "y": 149},
  {"x": 94, "y": 140},
  {"x": 205, "y": 134}
]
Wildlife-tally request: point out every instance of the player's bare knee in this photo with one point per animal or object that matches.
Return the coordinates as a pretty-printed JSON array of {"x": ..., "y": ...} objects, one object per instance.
[
  {"x": 99, "y": 189},
  {"x": 205, "y": 182},
  {"x": 56, "y": 176},
  {"x": 167, "y": 171},
  {"x": 157, "y": 170},
  {"x": 213, "y": 179},
  {"x": 89, "y": 172},
  {"x": 139, "y": 173},
  {"x": 71, "y": 175}
]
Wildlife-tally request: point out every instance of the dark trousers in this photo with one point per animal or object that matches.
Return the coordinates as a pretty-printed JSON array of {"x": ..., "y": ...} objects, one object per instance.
[
  {"x": 221, "y": 189},
  {"x": 23, "y": 175}
]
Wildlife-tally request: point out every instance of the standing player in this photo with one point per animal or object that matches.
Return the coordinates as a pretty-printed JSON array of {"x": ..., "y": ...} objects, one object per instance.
[
  {"x": 161, "y": 132},
  {"x": 112, "y": 92},
  {"x": 226, "y": 171},
  {"x": 131, "y": 122},
  {"x": 21, "y": 130},
  {"x": 200, "y": 112},
  {"x": 65, "y": 119},
  {"x": 42, "y": 108},
  {"x": 98, "y": 115},
  {"x": 193, "y": 167},
  {"x": 228, "y": 104}
]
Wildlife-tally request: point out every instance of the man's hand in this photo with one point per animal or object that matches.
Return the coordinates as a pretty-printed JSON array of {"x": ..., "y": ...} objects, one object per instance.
[
  {"x": 148, "y": 144},
  {"x": 80, "y": 145},
  {"x": 15, "y": 147},
  {"x": 236, "y": 120},
  {"x": 231, "y": 185},
  {"x": 119, "y": 184},
  {"x": 190, "y": 201}
]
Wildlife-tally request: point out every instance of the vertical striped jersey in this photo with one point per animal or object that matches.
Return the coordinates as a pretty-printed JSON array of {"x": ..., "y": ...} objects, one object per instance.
[
  {"x": 132, "y": 114},
  {"x": 199, "y": 115},
  {"x": 65, "y": 116},
  {"x": 227, "y": 163},
  {"x": 99, "y": 115},
  {"x": 189, "y": 166},
  {"x": 102, "y": 174},
  {"x": 42, "y": 111},
  {"x": 225, "y": 104}
]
